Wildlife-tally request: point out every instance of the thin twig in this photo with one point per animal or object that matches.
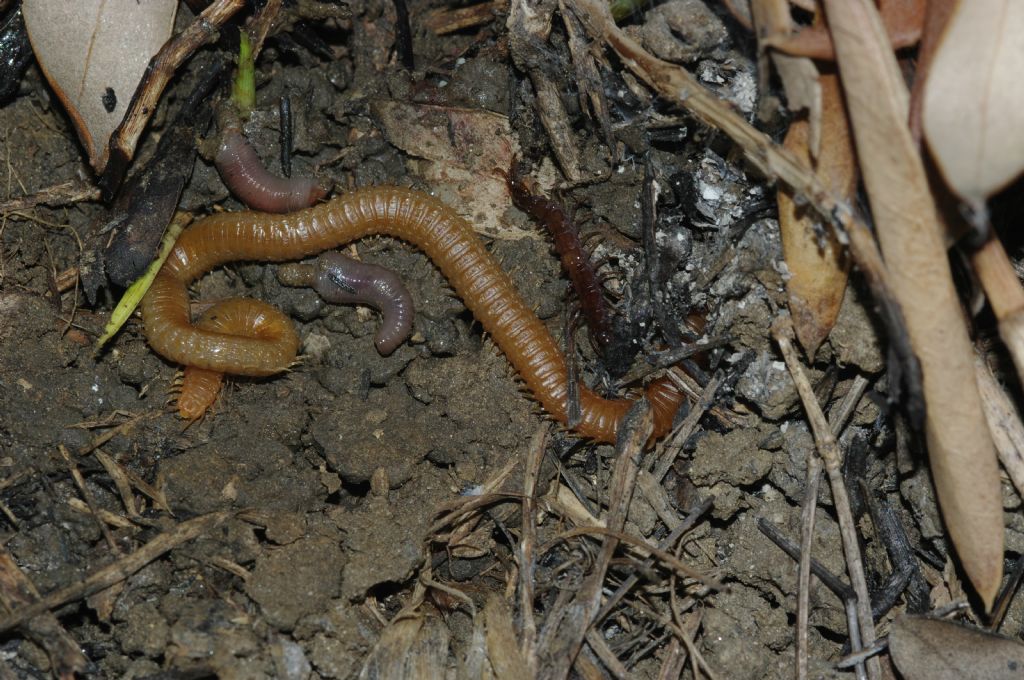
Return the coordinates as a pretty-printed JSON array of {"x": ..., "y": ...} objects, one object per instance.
[
  {"x": 90, "y": 500},
  {"x": 158, "y": 73},
  {"x": 825, "y": 440},
  {"x": 65, "y": 193},
  {"x": 664, "y": 544},
  {"x": 803, "y": 604},
  {"x": 527, "y": 541},
  {"x": 674, "y": 444}
]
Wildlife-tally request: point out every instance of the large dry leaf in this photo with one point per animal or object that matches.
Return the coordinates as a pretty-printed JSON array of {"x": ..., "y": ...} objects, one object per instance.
[
  {"x": 929, "y": 649},
  {"x": 816, "y": 262},
  {"x": 973, "y": 101},
  {"x": 462, "y": 152},
  {"x": 963, "y": 458},
  {"x": 94, "y": 53}
]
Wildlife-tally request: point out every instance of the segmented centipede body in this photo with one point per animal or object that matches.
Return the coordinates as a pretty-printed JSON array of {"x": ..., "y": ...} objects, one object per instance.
[
  {"x": 409, "y": 215},
  {"x": 230, "y": 318},
  {"x": 341, "y": 280},
  {"x": 575, "y": 259}
]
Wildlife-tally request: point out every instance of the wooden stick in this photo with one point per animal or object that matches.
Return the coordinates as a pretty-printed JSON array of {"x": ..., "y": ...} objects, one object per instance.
[{"x": 827, "y": 447}]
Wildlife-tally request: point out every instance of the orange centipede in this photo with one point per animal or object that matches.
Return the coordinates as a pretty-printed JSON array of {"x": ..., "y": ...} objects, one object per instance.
[
  {"x": 268, "y": 342},
  {"x": 236, "y": 316}
]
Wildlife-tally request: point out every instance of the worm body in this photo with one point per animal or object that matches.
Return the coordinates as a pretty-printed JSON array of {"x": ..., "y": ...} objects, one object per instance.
[
  {"x": 575, "y": 259},
  {"x": 229, "y": 318},
  {"x": 412, "y": 216},
  {"x": 243, "y": 173},
  {"x": 340, "y": 280}
]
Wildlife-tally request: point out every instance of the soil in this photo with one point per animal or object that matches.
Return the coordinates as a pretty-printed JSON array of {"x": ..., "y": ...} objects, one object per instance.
[{"x": 335, "y": 473}]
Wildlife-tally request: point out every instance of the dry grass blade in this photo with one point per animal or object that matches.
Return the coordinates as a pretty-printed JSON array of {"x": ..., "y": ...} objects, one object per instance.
[
  {"x": 409, "y": 647},
  {"x": 818, "y": 266},
  {"x": 527, "y": 545},
  {"x": 1004, "y": 422},
  {"x": 963, "y": 459},
  {"x": 502, "y": 648},
  {"x": 973, "y": 102},
  {"x": 667, "y": 558}
]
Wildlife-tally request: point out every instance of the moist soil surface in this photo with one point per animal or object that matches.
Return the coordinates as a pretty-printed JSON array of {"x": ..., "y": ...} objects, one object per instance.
[{"x": 329, "y": 559}]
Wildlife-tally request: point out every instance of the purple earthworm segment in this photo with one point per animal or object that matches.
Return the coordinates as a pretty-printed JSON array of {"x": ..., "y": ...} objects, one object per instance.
[
  {"x": 243, "y": 173},
  {"x": 341, "y": 280}
]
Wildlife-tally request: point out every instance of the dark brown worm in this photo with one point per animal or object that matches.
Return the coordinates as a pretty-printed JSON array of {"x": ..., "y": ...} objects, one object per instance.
[
  {"x": 340, "y": 280},
  {"x": 243, "y": 173},
  {"x": 575, "y": 259},
  {"x": 409, "y": 215}
]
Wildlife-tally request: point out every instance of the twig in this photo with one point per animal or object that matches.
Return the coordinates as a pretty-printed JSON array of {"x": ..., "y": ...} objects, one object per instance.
[
  {"x": 158, "y": 73},
  {"x": 64, "y": 193},
  {"x": 567, "y": 626},
  {"x": 90, "y": 500},
  {"x": 812, "y": 481},
  {"x": 664, "y": 544},
  {"x": 827, "y": 447},
  {"x": 1004, "y": 293},
  {"x": 674, "y": 445},
  {"x": 840, "y": 414},
  {"x": 803, "y": 605},
  {"x": 17, "y": 590},
  {"x": 527, "y": 541},
  {"x": 117, "y": 571},
  {"x": 827, "y": 578}
]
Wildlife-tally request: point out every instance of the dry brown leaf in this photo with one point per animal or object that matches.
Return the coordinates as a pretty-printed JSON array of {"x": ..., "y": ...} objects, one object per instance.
[
  {"x": 817, "y": 266},
  {"x": 930, "y": 649},
  {"x": 973, "y": 101},
  {"x": 94, "y": 53},
  {"x": 798, "y": 75},
  {"x": 963, "y": 458},
  {"x": 462, "y": 152},
  {"x": 903, "y": 21}
]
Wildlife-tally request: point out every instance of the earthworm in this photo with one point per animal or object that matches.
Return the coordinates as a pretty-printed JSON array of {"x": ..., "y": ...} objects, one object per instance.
[
  {"x": 575, "y": 260},
  {"x": 341, "y": 280},
  {"x": 446, "y": 238},
  {"x": 244, "y": 174}
]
